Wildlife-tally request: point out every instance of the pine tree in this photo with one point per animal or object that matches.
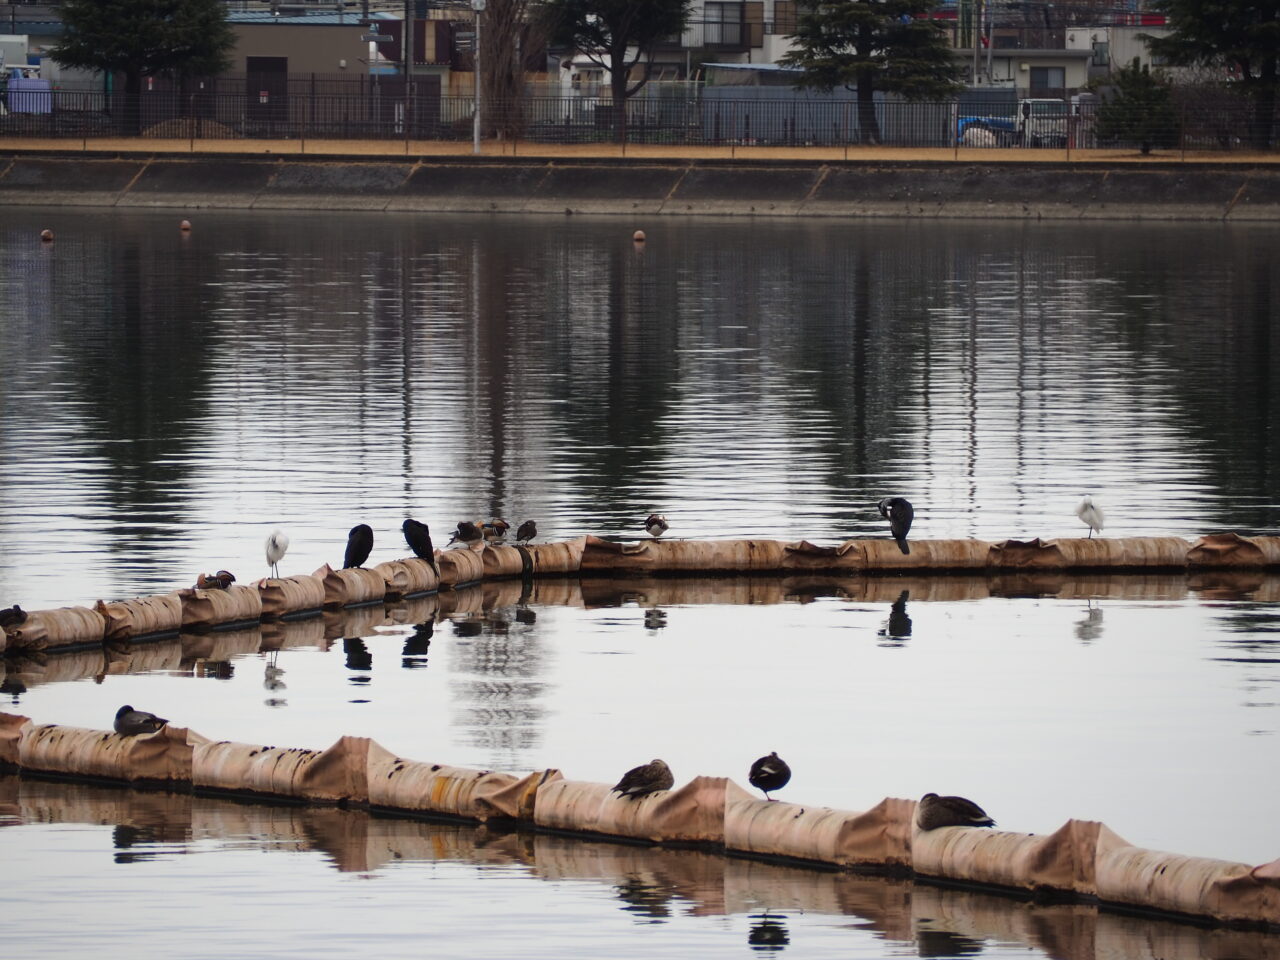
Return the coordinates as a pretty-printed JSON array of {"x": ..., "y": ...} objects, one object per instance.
[
  {"x": 1140, "y": 110},
  {"x": 873, "y": 45},
  {"x": 180, "y": 38}
]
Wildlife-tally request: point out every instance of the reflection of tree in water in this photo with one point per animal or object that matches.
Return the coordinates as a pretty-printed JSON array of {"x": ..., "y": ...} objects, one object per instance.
[{"x": 498, "y": 686}]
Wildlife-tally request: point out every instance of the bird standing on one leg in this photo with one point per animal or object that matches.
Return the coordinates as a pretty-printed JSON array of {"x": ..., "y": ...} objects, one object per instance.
[
  {"x": 641, "y": 781},
  {"x": 899, "y": 512},
  {"x": 1090, "y": 514},
  {"x": 528, "y": 530},
  {"x": 934, "y": 811},
  {"x": 276, "y": 546},
  {"x": 359, "y": 546},
  {"x": 418, "y": 536},
  {"x": 769, "y": 773}
]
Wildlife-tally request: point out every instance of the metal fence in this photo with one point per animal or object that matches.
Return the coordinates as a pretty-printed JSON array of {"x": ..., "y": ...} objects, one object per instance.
[{"x": 390, "y": 110}]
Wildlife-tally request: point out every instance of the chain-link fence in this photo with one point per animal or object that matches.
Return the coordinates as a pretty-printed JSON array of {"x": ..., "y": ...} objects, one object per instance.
[{"x": 390, "y": 109}]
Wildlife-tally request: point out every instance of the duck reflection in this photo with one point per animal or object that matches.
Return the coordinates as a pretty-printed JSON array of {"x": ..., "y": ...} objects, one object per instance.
[
  {"x": 768, "y": 934},
  {"x": 646, "y": 897},
  {"x": 898, "y": 627},
  {"x": 655, "y": 619},
  {"x": 945, "y": 943}
]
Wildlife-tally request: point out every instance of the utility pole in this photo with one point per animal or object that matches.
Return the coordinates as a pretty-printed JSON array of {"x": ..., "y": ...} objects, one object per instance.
[{"x": 478, "y": 7}]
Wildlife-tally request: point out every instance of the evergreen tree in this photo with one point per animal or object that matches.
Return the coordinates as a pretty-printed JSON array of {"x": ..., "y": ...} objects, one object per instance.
[
  {"x": 617, "y": 35},
  {"x": 1241, "y": 36},
  {"x": 1140, "y": 110},
  {"x": 180, "y": 38},
  {"x": 869, "y": 45}
]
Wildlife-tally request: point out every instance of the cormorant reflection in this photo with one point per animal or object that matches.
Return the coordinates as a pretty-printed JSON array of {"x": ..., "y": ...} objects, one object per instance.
[
  {"x": 944, "y": 943},
  {"x": 358, "y": 655},
  {"x": 417, "y": 645},
  {"x": 768, "y": 934},
  {"x": 898, "y": 626}
]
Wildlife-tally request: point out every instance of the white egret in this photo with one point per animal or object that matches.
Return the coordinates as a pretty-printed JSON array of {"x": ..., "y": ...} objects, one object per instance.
[
  {"x": 1091, "y": 514},
  {"x": 276, "y": 546}
]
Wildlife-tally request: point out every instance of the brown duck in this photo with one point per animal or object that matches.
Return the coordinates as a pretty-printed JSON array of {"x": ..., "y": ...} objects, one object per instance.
[
  {"x": 769, "y": 773},
  {"x": 641, "y": 781},
  {"x": 934, "y": 811},
  {"x": 131, "y": 722}
]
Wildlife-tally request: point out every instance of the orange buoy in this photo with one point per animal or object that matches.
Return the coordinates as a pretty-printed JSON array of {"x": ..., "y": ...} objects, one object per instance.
[{"x": 46, "y": 235}]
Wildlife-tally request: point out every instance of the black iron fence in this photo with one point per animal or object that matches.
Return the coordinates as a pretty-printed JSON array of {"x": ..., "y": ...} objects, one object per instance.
[{"x": 392, "y": 110}]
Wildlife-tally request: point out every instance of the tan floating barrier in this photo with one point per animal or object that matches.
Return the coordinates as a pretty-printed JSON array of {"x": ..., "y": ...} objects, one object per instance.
[
  {"x": 141, "y": 616},
  {"x": 199, "y": 649},
  {"x": 210, "y": 608},
  {"x": 879, "y": 837},
  {"x": 161, "y": 756},
  {"x": 351, "y": 585},
  {"x": 1234, "y": 892},
  {"x": 61, "y": 627},
  {"x": 1233, "y": 550},
  {"x": 500, "y": 560},
  {"x": 651, "y": 556},
  {"x": 453, "y": 791},
  {"x": 294, "y": 634},
  {"x": 282, "y": 596},
  {"x": 1063, "y": 860},
  {"x": 1114, "y": 553},
  {"x": 564, "y": 556},
  {"x": 693, "y": 813},
  {"x": 338, "y": 773},
  {"x": 353, "y": 622},
  {"x": 408, "y": 577},
  {"x": 460, "y": 565}
]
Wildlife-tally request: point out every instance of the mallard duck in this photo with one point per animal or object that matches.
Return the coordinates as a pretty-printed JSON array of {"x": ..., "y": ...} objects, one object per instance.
[
  {"x": 418, "y": 536},
  {"x": 1091, "y": 515},
  {"x": 528, "y": 530},
  {"x": 359, "y": 546},
  {"x": 934, "y": 811},
  {"x": 275, "y": 547},
  {"x": 12, "y": 616},
  {"x": 769, "y": 773},
  {"x": 131, "y": 722},
  {"x": 899, "y": 512},
  {"x": 641, "y": 781},
  {"x": 656, "y": 525},
  {"x": 467, "y": 532}
]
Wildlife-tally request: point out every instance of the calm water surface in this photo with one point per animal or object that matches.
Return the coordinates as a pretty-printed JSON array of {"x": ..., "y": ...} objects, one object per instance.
[{"x": 165, "y": 401}]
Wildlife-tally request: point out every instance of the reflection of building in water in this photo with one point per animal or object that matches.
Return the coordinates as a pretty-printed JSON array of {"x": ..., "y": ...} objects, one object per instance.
[{"x": 498, "y": 666}]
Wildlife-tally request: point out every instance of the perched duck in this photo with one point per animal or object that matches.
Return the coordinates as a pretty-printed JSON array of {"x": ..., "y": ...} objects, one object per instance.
[
  {"x": 418, "y": 536},
  {"x": 656, "y": 525},
  {"x": 359, "y": 546},
  {"x": 219, "y": 581},
  {"x": 275, "y": 547},
  {"x": 1091, "y": 514},
  {"x": 641, "y": 781},
  {"x": 934, "y": 811},
  {"x": 899, "y": 512},
  {"x": 131, "y": 722},
  {"x": 12, "y": 616},
  {"x": 769, "y": 773},
  {"x": 528, "y": 530},
  {"x": 467, "y": 532},
  {"x": 495, "y": 529}
]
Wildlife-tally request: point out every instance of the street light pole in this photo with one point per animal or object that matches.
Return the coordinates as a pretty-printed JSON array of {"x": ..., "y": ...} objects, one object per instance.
[{"x": 478, "y": 7}]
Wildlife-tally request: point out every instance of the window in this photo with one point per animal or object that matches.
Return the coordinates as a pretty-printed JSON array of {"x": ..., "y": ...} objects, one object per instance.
[
  {"x": 1101, "y": 53},
  {"x": 723, "y": 24},
  {"x": 1048, "y": 78}
]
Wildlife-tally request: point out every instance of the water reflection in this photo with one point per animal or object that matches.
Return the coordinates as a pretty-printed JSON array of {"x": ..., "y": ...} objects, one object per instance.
[{"x": 769, "y": 905}]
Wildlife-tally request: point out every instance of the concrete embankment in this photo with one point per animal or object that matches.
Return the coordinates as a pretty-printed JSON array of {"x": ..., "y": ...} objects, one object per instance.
[{"x": 1081, "y": 190}]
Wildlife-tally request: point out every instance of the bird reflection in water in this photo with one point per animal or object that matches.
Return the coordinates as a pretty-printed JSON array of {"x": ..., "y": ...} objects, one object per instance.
[
  {"x": 655, "y": 619},
  {"x": 944, "y": 943},
  {"x": 768, "y": 934},
  {"x": 358, "y": 656},
  {"x": 272, "y": 683},
  {"x": 417, "y": 645},
  {"x": 898, "y": 627},
  {"x": 215, "y": 669},
  {"x": 646, "y": 897},
  {"x": 1089, "y": 627}
]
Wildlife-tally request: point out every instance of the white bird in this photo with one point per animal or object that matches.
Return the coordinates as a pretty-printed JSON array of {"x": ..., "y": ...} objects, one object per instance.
[
  {"x": 276, "y": 546},
  {"x": 1090, "y": 514}
]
